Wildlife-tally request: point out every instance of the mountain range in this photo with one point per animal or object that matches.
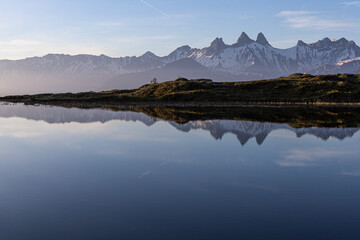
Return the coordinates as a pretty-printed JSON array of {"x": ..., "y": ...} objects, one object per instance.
[
  {"x": 243, "y": 130},
  {"x": 246, "y": 59}
]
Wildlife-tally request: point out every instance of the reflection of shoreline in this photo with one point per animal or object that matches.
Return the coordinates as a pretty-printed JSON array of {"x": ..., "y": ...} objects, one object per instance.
[
  {"x": 52, "y": 114},
  {"x": 296, "y": 117},
  {"x": 244, "y": 130}
]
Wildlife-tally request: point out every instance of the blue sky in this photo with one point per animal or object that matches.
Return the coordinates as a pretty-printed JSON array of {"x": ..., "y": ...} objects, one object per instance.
[{"x": 132, "y": 27}]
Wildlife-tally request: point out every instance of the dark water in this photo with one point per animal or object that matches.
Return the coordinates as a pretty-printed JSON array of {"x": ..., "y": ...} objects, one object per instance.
[{"x": 98, "y": 174}]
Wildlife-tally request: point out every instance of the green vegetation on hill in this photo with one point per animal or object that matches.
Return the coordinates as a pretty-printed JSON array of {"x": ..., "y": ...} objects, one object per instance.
[{"x": 297, "y": 88}]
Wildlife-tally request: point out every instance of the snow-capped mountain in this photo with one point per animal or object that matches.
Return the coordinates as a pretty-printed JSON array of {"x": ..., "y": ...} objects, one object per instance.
[
  {"x": 256, "y": 59},
  {"x": 243, "y": 130},
  {"x": 246, "y": 59}
]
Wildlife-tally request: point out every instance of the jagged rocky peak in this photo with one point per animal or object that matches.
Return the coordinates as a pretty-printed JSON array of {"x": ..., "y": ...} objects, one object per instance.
[
  {"x": 325, "y": 40},
  {"x": 352, "y": 42},
  {"x": 322, "y": 44},
  {"x": 261, "y": 39},
  {"x": 183, "y": 48},
  {"x": 342, "y": 42},
  {"x": 327, "y": 43},
  {"x": 149, "y": 54},
  {"x": 301, "y": 43},
  {"x": 217, "y": 45},
  {"x": 179, "y": 52},
  {"x": 244, "y": 40}
]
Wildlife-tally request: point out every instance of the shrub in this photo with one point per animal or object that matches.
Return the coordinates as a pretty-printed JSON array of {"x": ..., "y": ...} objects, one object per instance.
[{"x": 154, "y": 81}]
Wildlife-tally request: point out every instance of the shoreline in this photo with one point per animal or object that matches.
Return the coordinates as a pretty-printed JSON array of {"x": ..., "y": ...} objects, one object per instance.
[
  {"x": 295, "y": 90},
  {"x": 186, "y": 104}
]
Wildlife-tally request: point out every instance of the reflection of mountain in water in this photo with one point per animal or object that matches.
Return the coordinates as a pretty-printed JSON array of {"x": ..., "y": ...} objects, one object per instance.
[
  {"x": 51, "y": 114},
  {"x": 244, "y": 130}
]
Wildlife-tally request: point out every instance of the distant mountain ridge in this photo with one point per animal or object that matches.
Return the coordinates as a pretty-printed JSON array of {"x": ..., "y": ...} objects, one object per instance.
[{"x": 246, "y": 59}]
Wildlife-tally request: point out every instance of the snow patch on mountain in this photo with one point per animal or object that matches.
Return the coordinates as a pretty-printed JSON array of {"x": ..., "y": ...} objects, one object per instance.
[{"x": 340, "y": 63}]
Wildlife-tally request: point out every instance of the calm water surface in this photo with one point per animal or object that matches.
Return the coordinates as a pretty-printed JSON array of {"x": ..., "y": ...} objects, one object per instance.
[{"x": 98, "y": 174}]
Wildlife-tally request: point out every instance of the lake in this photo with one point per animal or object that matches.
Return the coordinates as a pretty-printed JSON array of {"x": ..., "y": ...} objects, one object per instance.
[{"x": 71, "y": 173}]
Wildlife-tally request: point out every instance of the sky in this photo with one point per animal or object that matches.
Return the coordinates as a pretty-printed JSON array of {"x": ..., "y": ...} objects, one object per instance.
[{"x": 131, "y": 27}]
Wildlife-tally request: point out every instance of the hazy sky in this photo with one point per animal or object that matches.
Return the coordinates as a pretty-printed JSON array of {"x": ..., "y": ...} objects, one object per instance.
[{"x": 132, "y": 27}]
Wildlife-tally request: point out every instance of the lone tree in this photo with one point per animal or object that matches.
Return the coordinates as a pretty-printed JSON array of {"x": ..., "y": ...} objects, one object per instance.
[{"x": 154, "y": 81}]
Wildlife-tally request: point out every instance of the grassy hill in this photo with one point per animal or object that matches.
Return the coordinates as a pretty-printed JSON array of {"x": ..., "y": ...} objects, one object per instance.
[{"x": 295, "y": 89}]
